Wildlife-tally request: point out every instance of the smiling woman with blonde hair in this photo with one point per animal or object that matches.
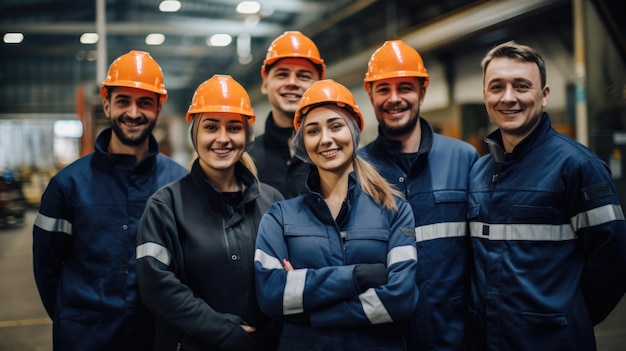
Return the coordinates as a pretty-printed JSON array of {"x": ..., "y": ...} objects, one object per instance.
[
  {"x": 196, "y": 237},
  {"x": 337, "y": 264}
]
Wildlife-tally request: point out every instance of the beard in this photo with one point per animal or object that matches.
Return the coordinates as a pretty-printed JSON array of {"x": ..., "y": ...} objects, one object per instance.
[
  {"x": 397, "y": 131},
  {"x": 127, "y": 139}
]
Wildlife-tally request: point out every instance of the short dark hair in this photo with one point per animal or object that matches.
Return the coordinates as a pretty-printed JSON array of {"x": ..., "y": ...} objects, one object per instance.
[
  {"x": 517, "y": 52},
  {"x": 110, "y": 89},
  {"x": 318, "y": 67}
]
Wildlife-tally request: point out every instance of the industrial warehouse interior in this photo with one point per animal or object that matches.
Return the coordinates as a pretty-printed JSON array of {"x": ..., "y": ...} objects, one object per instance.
[{"x": 54, "y": 55}]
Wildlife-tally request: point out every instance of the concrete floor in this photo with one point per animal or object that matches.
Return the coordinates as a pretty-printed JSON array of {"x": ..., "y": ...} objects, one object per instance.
[{"x": 24, "y": 325}]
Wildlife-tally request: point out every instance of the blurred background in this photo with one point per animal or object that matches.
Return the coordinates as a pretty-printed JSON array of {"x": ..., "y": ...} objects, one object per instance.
[{"x": 55, "y": 53}]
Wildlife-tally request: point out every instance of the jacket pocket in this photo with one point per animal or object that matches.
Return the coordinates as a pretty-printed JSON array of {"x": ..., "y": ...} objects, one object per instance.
[
  {"x": 443, "y": 196},
  {"x": 366, "y": 245},
  {"x": 84, "y": 316},
  {"x": 553, "y": 320},
  {"x": 548, "y": 331},
  {"x": 307, "y": 245}
]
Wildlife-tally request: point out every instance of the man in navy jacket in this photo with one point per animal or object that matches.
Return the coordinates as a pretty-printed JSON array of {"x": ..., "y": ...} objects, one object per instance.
[
  {"x": 432, "y": 171},
  {"x": 292, "y": 64},
  {"x": 84, "y": 237},
  {"x": 548, "y": 231}
]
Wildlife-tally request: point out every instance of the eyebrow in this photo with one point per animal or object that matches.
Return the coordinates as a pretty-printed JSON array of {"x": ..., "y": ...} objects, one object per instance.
[
  {"x": 126, "y": 96},
  {"x": 299, "y": 70},
  {"x": 402, "y": 83},
  {"x": 217, "y": 120},
  {"x": 516, "y": 80},
  {"x": 329, "y": 120}
]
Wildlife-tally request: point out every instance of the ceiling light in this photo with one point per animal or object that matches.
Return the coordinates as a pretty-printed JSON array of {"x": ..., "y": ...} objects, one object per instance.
[
  {"x": 89, "y": 38},
  {"x": 13, "y": 38},
  {"x": 170, "y": 6},
  {"x": 155, "y": 39},
  {"x": 219, "y": 40},
  {"x": 248, "y": 7}
]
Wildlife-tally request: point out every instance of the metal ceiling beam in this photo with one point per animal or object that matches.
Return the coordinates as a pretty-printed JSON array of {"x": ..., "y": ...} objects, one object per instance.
[
  {"x": 449, "y": 29},
  {"x": 291, "y": 6}
]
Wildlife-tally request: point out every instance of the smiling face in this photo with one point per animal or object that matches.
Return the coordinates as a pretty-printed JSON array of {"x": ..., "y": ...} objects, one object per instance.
[
  {"x": 132, "y": 114},
  {"x": 220, "y": 141},
  {"x": 397, "y": 102},
  {"x": 284, "y": 85},
  {"x": 514, "y": 97},
  {"x": 328, "y": 140}
]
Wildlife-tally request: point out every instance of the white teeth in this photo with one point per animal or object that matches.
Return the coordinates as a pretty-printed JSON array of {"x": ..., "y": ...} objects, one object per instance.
[
  {"x": 221, "y": 151},
  {"x": 329, "y": 152}
]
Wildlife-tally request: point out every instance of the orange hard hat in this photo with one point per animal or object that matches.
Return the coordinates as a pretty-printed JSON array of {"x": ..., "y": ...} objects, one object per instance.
[
  {"x": 395, "y": 59},
  {"x": 324, "y": 92},
  {"x": 221, "y": 93},
  {"x": 136, "y": 69},
  {"x": 293, "y": 44}
]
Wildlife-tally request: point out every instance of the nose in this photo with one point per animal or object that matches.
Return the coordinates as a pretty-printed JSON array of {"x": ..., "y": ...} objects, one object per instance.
[
  {"x": 133, "y": 110},
  {"x": 292, "y": 79},
  {"x": 508, "y": 95},
  {"x": 326, "y": 137},
  {"x": 394, "y": 96},
  {"x": 222, "y": 135}
]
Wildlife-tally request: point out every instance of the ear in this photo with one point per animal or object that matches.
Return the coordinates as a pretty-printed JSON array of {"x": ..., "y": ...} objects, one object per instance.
[
  {"x": 106, "y": 107},
  {"x": 422, "y": 94},
  {"x": 158, "y": 111},
  {"x": 264, "y": 86},
  {"x": 546, "y": 93}
]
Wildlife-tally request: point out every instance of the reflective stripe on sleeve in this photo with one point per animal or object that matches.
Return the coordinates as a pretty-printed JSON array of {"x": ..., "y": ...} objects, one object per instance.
[
  {"x": 53, "y": 224},
  {"x": 294, "y": 291},
  {"x": 267, "y": 261},
  {"x": 294, "y": 284},
  {"x": 400, "y": 254},
  {"x": 439, "y": 230},
  {"x": 154, "y": 250},
  {"x": 530, "y": 232},
  {"x": 374, "y": 308},
  {"x": 597, "y": 216}
]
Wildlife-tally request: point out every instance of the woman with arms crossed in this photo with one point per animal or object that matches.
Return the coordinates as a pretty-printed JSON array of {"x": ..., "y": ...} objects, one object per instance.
[{"x": 337, "y": 264}]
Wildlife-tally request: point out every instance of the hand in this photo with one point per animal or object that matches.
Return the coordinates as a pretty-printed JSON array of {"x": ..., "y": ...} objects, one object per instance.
[
  {"x": 369, "y": 275},
  {"x": 248, "y": 329},
  {"x": 287, "y": 265}
]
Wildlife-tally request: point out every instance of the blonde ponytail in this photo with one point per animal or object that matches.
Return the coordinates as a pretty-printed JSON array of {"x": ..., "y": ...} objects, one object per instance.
[{"x": 374, "y": 185}]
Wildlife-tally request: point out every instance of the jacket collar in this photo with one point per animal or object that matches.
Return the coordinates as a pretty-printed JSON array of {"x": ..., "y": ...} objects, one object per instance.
[
  {"x": 536, "y": 137},
  {"x": 496, "y": 146},
  {"x": 243, "y": 175},
  {"x": 275, "y": 134},
  {"x": 394, "y": 147},
  {"x": 313, "y": 187}
]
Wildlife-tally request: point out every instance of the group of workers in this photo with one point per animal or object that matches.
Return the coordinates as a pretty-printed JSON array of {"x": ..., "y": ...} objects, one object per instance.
[{"x": 301, "y": 240}]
